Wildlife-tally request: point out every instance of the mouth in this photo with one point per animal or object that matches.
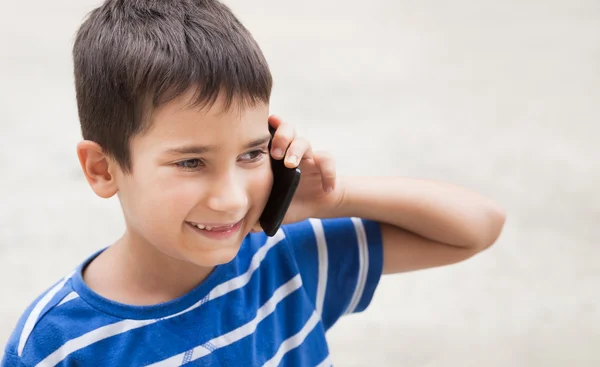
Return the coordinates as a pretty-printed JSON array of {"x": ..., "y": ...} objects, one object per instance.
[{"x": 217, "y": 230}]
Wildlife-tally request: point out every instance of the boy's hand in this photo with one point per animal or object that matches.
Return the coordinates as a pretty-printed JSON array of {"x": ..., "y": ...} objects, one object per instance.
[{"x": 318, "y": 193}]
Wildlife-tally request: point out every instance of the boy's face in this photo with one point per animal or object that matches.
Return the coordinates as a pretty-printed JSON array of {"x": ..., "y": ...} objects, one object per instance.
[{"x": 196, "y": 169}]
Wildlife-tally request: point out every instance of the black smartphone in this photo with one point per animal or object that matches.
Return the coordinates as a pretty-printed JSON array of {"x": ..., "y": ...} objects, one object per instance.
[{"x": 285, "y": 183}]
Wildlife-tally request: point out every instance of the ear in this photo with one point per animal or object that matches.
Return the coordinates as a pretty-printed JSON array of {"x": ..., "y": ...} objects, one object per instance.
[{"x": 97, "y": 168}]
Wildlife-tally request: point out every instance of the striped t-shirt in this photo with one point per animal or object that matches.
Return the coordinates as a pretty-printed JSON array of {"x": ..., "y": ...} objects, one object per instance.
[{"x": 270, "y": 306}]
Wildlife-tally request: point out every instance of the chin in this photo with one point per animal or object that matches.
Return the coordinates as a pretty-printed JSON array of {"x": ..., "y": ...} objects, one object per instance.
[{"x": 216, "y": 258}]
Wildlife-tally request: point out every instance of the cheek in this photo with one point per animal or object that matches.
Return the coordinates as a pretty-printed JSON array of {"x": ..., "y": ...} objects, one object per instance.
[
  {"x": 157, "y": 201},
  {"x": 260, "y": 186}
]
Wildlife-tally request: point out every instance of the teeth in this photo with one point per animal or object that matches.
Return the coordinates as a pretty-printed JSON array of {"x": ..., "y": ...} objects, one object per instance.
[
  {"x": 209, "y": 228},
  {"x": 202, "y": 226}
]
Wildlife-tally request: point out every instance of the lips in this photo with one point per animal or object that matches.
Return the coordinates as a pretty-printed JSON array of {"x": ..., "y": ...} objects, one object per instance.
[
  {"x": 217, "y": 231},
  {"x": 214, "y": 227}
]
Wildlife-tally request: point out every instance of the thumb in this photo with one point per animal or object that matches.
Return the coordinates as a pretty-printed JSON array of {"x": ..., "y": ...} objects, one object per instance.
[{"x": 257, "y": 228}]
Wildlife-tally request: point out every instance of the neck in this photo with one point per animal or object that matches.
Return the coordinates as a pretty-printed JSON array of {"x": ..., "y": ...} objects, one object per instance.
[{"x": 134, "y": 272}]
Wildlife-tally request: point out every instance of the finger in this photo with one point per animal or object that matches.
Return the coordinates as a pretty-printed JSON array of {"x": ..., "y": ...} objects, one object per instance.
[
  {"x": 326, "y": 165},
  {"x": 298, "y": 150},
  {"x": 283, "y": 137},
  {"x": 275, "y": 121}
]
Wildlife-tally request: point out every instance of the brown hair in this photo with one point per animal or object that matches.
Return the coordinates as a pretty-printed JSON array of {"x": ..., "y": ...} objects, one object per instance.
[{"x": 131, "y": 56}]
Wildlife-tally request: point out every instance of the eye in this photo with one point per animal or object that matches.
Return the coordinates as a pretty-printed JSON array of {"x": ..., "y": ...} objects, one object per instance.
[
  {"x": 189, "y": 164},
  {"x": 253, "y": 156}
]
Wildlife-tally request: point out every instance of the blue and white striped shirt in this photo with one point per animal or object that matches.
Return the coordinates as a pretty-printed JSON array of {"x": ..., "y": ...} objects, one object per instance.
[{"x": 269, "y": 306}]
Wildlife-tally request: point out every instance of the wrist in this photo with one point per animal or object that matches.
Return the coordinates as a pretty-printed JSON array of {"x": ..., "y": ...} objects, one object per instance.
[{"x": 336, "y": 203}]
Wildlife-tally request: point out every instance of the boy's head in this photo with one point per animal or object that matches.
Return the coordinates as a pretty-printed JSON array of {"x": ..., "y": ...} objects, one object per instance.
[{"x": 173, "y": 102}]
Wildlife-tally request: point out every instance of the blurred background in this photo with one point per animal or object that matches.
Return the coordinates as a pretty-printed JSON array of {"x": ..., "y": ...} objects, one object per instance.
[{"x": 499, "y": 96}]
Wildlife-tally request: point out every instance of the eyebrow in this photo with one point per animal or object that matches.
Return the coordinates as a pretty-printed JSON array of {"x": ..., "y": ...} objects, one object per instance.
[{"x": 201, "y": 149}]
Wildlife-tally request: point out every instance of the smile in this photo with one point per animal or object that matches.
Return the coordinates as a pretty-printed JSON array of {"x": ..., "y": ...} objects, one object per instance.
[
  {"x": 214, "y": 227},
  {"x": 216, "y": 230}
]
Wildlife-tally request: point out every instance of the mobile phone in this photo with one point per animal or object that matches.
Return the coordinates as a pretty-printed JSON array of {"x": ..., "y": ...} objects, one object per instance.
[{"x": 285, "y": 183}]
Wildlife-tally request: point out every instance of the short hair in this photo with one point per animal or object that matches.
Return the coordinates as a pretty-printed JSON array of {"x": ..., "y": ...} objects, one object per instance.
[{"x": 132, "y": 56}]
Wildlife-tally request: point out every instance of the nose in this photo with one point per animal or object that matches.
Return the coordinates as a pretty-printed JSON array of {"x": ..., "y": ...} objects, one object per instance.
[{"x": 228, "y": 195}]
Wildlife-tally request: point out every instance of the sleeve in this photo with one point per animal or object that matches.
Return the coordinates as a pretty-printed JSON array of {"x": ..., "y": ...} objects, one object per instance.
[
  {"x": 11, "y": 360},
  {"x": 340, "y": 261}
]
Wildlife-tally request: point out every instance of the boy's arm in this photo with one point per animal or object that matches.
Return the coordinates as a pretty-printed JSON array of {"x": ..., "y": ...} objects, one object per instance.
[{"x": 424, "y": 224}]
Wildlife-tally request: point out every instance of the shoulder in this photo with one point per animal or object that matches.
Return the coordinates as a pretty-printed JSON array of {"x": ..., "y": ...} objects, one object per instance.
[
  {"x": 345, "y": 230},
  {"x": 56, "y": 295},
  {"x": 56, "y": 316},
  {"x": 304, "y": 237}
]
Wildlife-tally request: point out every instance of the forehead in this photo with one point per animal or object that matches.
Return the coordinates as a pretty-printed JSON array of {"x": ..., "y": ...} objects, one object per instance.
[{"x": 181, "y": 122}]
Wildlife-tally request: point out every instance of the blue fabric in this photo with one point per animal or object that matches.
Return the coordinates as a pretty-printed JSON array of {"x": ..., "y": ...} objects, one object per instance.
[{"x": 272, "y": 304}]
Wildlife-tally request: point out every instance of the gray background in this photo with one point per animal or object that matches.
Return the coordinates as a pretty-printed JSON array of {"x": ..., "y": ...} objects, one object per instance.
[{"x": 500, "y": 96}]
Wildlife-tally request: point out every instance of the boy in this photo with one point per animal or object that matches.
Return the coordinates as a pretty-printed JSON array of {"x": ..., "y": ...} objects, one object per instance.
[{"x": 173, "y": 99}]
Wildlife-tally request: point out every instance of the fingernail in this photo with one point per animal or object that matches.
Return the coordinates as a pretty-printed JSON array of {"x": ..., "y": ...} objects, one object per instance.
[
  {"x": 292, "y": 159},
  {"x": 277, "y": 153},
  {"x": 329, "y": 189}
]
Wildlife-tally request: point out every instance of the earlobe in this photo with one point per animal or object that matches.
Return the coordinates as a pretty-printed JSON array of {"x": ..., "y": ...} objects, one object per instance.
[{"x": 97, "y": 168}]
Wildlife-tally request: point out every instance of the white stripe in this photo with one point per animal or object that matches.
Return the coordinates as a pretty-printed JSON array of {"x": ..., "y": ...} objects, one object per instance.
[
  {"x": 90, "y": 338},
  {"x": 226, "y": 339},
  {"x": 243, "y": 279},
  {"x": 323, "y": 263},
  {"x": 108, "y": 331},
  {"x": 71, "y": 296},
  {"x": 293, "y": 341},
  {"x": 363, "y": 270},
  {"x": 326, "y": 362},
  {"x": 37, "y": 310}
]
